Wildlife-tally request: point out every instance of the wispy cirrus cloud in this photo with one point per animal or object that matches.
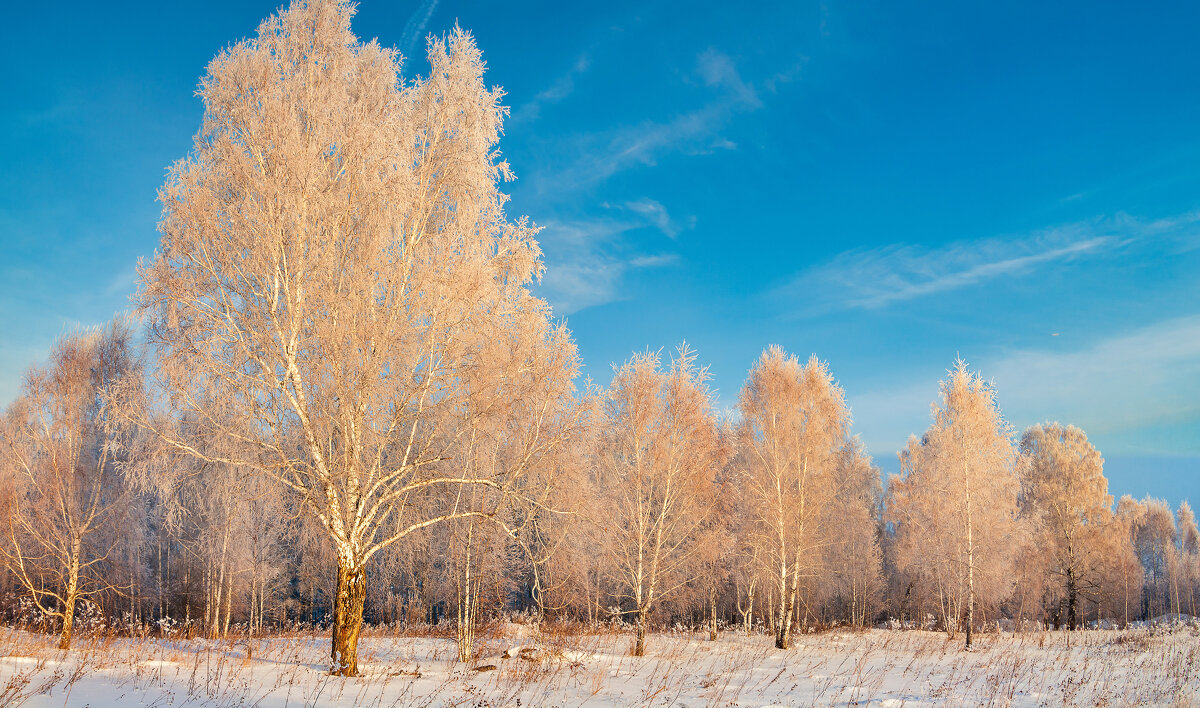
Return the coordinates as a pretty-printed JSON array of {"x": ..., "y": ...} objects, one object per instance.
[
  {"x": 717, "y": 69},
  {"x": 562, "y": 87},
  {"x": 654, "y": 214},
  {"x": 598, "y": 156},
  {"x": 587, "y": 261},
  {"x": 414, "y": 29},
  {"x": 655, "y": 261},
  {"x": 877, "y": 277}
]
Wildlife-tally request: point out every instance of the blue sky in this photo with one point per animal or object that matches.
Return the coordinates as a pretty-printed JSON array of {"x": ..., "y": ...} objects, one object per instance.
[{"x": 887, "y": 185}]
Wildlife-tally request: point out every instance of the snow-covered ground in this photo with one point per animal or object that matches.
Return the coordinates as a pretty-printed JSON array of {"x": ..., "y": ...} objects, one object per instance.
[{"x": 1148, "y": 666}]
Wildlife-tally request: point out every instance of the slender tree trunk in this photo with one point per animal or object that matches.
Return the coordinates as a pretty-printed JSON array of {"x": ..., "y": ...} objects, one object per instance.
[
  {"x": 712, "y": 617},
  {"x": 228, "y": 604},
  {"x": 350, "y": 596},
  {"x": 208, "y": 593},
  {"x": 783, "y": 623},
  {"x": 771, "y": 610},
  {"x": 800, "y": 604},
  {"x": 599, "y": 607},
  {"x": 262, "y": 605},
  {"x": 187, "y": 598},
  {"x": 160, "y": 577},
  {"x": 1072, "y": 600},
  {"x": 1125, "y": 577},
  {"x": 1192, "y": 598},
  {"x": 219, "y": 588},
  {"x": 748, "y": 613},
  {"x": 787, "y": 595},
  {"x": 749, "y": 617},
  {"x": 218, "y": 585},
  {"x": 587, "y": 600},
  {"x": 970, "y": 560},
  {"x": 642, "y": 598},
  {"x": 1174, "y": 569},
  {"x": 787, "y": 608},
  {"x": 466, "y": 604},
  {"x": 64, "y": 638}
]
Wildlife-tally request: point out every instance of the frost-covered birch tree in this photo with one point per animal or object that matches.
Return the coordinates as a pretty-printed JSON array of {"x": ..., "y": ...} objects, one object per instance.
[
  {"x": 64, "y": 453},
  {"x": 659, "y": 453},
  {"x": 855, "y": 557},
  {"x": 1064, "y": 495},
  {"x": 337, "y": 274},
  {"x": 954, "y": 505},
  {"x": 1154, "y": 536},
  {"x": 794, "y": 422},
  {"x": 1189, "y": 556}
]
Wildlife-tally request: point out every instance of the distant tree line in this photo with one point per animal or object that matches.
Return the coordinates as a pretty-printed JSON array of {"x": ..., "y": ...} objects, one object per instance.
[{"x": 340, "y": 403}]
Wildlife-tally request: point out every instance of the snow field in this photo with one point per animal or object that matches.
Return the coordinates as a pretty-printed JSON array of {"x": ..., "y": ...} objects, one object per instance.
[{"x": 1153, "y": 666}]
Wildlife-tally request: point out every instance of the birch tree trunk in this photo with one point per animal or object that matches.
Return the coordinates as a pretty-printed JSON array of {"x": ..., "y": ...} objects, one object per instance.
[
  {"x": 349, "y": 599},
  {"x": 71, "y": 597},
  {"x": 467, "y": 599},
  {"x": 1072, "y": 599},
  {"x": 228, "y": 604},
  {"x": 783, "y": 625},
  {"x": 712, "y": 618},
  {"x": 970, "y": 557},
  {"x": 639, "y": 645},
  {"x": 748, "y": 613}
]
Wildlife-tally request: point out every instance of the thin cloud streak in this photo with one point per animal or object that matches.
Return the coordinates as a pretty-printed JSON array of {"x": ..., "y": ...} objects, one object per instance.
[
  {"x": 587, "y": 261},
  {"x": 414, "y": 29},
  {"x": 874, "y": 278},
  {"x": 563, "y": 87},
  {"x": 950, "y": 279},
  {"x": 656, "y": 214},
  {"x": 602, "y": 155},
  {"x": 717, "y": 69}
]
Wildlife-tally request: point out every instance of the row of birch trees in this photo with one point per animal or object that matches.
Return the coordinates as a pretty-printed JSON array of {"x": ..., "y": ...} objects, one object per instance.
[
  {"x": 647, "y": 509},
  {"x": 340, "y": 402}
]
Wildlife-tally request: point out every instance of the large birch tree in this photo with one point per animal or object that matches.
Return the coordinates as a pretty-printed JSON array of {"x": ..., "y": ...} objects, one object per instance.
[{"x": 340, "y": 295}]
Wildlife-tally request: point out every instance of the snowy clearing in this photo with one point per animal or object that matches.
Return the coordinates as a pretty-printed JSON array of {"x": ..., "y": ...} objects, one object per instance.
[{"x": 878, "y": 667}]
